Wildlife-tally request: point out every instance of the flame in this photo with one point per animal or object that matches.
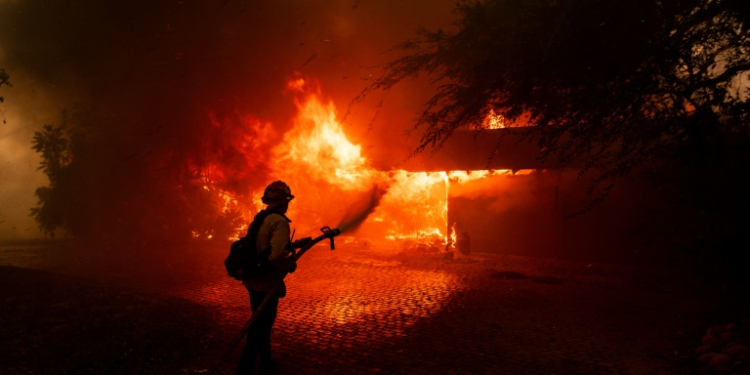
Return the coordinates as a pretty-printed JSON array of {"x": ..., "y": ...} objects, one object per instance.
[
  {"x": 452, "y": 237},
  {"x": 317, "y": 142},
  {"x": 418, "y": 203},
  {"x": 467, "y": 176},
  {"x": 493, "y": 121},
  {"x": 327, "y": 173}
]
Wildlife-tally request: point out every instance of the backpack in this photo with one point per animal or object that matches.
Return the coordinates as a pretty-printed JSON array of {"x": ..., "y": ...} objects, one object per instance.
[{"x": 244, "y": 260}]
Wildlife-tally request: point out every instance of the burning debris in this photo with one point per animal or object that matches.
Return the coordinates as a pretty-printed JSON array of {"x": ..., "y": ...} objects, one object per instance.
[{"x": 435, "y": 250}]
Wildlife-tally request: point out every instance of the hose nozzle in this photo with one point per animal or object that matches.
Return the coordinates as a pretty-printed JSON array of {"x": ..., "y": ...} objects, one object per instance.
[{"x": 330, "y": 233}]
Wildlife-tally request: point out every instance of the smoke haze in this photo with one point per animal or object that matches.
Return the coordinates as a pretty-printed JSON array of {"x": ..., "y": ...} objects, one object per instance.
[{"x": 154, "y": 85}]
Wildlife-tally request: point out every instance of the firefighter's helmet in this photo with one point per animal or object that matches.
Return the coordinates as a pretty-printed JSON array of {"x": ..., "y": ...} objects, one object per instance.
[{"x": 277, "y": 193}]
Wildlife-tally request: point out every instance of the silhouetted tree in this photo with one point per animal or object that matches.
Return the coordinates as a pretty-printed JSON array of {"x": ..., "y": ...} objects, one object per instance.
[
  {"x": 95, "y": 195},
  {"x": 610, "y": 86},
  {"x": 53, "y": 145}
]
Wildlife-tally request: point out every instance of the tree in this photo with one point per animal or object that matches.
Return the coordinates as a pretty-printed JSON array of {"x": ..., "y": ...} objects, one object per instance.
[
  {"x": 53, "y": 145},
  {"x": 96, "y": 194},
  {"x": 611, "y": 84}
]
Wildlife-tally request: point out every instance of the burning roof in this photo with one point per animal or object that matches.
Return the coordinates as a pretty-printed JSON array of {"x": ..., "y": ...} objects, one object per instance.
[{"x": 474, "y": 150}]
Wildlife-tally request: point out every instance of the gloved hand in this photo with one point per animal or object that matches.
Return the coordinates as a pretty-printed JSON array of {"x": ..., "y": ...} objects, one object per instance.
[{"x": 302, "y": 242}]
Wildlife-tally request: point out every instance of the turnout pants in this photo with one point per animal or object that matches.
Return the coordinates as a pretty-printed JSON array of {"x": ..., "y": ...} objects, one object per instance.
[{"x": 258, "y": 342}]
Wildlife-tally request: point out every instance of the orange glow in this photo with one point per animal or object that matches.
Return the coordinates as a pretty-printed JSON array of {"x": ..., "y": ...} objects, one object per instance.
[
  {"x": 318, "y": 144},
  {"x": 345, "y": 303},
  {"x": 416, "y": 205},
  {"x": 330, "y": 299},
  {"x": 328, "y": 173},
  {"x": 466, "y": 176},
  {"x": 493, "y": 121}
]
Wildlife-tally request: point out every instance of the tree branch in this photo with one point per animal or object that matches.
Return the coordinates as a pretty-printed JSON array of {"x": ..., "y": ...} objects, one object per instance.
[{"x": 729, "y": 73}]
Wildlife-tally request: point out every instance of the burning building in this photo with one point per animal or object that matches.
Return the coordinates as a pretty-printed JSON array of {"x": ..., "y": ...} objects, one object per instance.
[
  {"x": 154, "y": 164},
  {"x": 456, "y": 195}
]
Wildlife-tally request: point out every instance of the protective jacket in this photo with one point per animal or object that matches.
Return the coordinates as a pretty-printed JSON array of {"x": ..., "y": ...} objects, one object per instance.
[{"x": 273, "y": 235}]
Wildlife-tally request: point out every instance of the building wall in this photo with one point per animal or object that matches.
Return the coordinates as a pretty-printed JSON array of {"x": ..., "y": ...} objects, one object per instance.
[{"x": 526, "y": 215}]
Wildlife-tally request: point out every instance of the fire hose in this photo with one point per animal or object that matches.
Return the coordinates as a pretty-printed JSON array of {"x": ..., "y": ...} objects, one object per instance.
[{"x": 308, "y": 242}]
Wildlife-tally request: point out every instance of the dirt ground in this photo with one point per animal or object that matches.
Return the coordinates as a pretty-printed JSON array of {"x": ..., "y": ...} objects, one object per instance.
[{"x": 357, "y": 310}]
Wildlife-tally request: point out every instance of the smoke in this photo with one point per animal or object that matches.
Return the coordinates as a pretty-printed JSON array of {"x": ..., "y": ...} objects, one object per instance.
[
  {"x": 165, "y": 89},
  {"x": 18, "y": 162}
]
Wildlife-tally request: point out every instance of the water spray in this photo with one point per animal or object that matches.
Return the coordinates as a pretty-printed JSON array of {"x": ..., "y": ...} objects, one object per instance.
[{"x": 358, "y": 212}]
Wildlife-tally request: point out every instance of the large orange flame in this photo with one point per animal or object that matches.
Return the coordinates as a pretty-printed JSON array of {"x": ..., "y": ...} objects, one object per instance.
[
  {"x": 328, "y": 173},
  {"x": 317, "y": 143}
]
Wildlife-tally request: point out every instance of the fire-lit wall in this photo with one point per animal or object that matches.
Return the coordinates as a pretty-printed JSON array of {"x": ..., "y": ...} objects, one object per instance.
[{"x": 526, "y": 215}]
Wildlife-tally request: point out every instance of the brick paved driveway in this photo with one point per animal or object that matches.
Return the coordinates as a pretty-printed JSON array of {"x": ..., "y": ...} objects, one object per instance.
[{"x": 367, "y": 311}]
